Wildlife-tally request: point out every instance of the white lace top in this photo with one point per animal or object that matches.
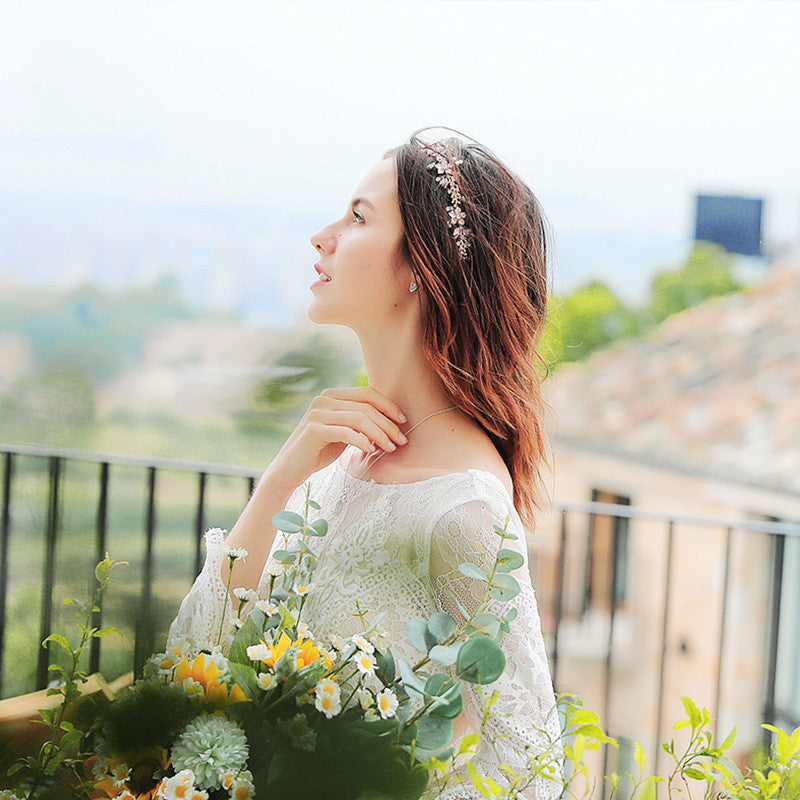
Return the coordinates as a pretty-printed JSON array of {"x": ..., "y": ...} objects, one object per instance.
[{"x": 396, "y": 548}]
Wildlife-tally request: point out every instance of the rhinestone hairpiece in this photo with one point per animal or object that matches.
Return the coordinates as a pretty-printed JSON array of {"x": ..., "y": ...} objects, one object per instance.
[{"x": 456, "y": 217}]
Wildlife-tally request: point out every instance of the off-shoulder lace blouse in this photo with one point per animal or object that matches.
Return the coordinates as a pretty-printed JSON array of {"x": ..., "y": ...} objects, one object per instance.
[{"x": 396, "y": 548}]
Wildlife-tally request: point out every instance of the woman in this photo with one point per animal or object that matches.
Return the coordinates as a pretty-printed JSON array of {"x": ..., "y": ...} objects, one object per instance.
[{"x": 439, "y": 266}]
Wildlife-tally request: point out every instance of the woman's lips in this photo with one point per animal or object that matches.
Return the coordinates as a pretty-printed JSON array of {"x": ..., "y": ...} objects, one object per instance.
[{"x": 324, "y": 275}]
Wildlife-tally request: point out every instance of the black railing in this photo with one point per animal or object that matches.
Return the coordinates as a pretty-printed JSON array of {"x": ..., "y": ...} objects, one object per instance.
[
  {"x": 779, "y": 532},
  {"x": 56, "y": 459},
  {"x": 188, "y": 546}
]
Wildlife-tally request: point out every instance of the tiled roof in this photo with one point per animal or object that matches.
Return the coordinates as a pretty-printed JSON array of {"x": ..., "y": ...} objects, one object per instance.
[{"x": 714, "y": 388}]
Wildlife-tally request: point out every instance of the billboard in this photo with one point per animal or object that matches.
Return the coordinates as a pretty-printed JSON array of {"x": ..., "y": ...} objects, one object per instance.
[{"x": 731, "y": 221}]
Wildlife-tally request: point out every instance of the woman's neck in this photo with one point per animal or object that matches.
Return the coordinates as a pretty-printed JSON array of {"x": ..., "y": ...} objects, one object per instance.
[{"x": 397, "y": 368}]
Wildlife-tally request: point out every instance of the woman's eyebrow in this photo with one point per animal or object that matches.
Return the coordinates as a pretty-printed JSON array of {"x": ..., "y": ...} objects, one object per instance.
[{"x": 362, "y": 201}]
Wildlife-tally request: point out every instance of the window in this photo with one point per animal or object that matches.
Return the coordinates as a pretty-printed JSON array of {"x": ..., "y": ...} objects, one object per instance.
[{"x": 606, "y": 556}]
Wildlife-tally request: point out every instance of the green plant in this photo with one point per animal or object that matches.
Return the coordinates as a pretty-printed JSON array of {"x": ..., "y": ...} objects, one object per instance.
[{"x": 38, "y": 770}]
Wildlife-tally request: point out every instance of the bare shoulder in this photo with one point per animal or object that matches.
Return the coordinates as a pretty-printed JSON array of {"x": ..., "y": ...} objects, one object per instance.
[{"x": 467, "y": 447}]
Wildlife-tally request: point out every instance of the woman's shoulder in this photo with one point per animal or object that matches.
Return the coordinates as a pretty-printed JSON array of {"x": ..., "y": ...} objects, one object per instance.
[{"x": 470, "y": 453}]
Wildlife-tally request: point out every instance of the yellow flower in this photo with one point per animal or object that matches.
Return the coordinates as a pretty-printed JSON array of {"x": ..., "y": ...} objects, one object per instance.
[
  {"x": 206, "y": 675},
  {"x": 306, "y": 651}
]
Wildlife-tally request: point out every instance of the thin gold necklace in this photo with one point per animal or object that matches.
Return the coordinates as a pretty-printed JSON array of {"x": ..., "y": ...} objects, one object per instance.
[{"x": 406, "y": 433}]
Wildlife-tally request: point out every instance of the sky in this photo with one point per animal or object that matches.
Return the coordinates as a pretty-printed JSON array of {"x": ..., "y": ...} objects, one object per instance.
[{"x": 615, "y": 113}]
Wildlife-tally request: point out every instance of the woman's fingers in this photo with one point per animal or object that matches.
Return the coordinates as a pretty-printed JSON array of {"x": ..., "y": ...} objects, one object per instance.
[
  {"x": 367, "y": 394},
  {"x": 341, "y": 433},
  {"x": 366, "y": 420}
]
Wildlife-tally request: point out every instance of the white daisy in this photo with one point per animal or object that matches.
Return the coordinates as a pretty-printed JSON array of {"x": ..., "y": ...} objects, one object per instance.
[
  {"x": 266, "y": 607},
  {"x": 365, "y": 662},
  {"x": 236, "y": 553},
  {"x": 338, "y": 643},
  {"x": 370, "y": 715},
  {"x": 365, "y": 698},
  {"x": 362, "y": 644},
  {"x": 304, "y": 631},
  {"x": 302, "y": 589},
  {"x": 245, "y": 595},
  {"x": 258, "y": 652},
  {"x": 387, "y": 703},
  {"x": 266, "y": 680},
  {"x": 328, "y": 686},
  {"x": 328, "y": 704},
  {"x": 183, "y": 780}
]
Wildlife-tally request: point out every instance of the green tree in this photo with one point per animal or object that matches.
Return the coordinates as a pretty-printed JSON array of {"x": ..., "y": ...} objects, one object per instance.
[
  {"x": 580, "y": 323},
  {"x": 706, "y": 273}
]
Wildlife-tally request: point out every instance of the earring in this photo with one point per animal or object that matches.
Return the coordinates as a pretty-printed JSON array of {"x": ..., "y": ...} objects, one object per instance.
[{"x": 413, "y": 287}]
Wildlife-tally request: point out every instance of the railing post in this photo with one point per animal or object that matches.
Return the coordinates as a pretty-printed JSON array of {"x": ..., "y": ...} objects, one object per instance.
[
  {"x": 723, "y": 618},
  {"x": 49, "y": 571},
  {"x": 559, "y": 599},
  {"x": 101, "y": 522},
  {"x": 199, "y": 524},
  {"x": 663, "y": 658},
  {"x": 774, "y": 631},
  {"x": 145, "y": 634},
  {"x": 609, "y": 649},
  {"x": 5, "y": 533}
]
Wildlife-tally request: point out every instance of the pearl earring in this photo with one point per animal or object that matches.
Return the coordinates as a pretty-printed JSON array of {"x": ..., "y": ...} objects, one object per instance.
[{"x": 413, "y": 287}]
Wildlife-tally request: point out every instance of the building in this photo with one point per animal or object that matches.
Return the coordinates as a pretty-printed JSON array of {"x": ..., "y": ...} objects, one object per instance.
[{"x": 700, "y": 418}]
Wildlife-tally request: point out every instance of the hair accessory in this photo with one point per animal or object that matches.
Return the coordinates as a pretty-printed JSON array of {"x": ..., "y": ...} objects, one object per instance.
[{"x": 444, "y": 164}]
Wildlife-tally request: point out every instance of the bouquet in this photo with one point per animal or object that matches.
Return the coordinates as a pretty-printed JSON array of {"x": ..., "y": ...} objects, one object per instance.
[{"x": 284, "y": 715}]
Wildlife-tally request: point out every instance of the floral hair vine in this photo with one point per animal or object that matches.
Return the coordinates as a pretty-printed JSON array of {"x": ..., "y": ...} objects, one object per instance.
[{"x": 444, "y": 165}]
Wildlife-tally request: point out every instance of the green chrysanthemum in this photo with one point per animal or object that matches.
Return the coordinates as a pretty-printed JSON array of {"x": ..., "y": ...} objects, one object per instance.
[{"x": 209, "y": 746}]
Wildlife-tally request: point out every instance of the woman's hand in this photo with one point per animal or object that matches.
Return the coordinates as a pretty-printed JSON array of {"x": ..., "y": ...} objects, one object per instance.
[{"x": 360, "y": 416}]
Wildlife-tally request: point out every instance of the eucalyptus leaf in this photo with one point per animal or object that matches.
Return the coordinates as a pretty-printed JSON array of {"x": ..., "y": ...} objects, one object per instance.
[
  {"x": 434, "y": 732},
  {"x": 508, "y": 560},
  {"x": 419, "y": 635},
  {"x": 284, "y": 557},
  {"x": 445, "y": 654},
  {"x": 318, "y": 528},
  {"x": 412, "y": 682},
  {"x": 472, "y": 571},
  {"x": 288, "y": 522},
  {"x": 486, "y": 623},
  {"x": 314, "y": 504},
  {"x": 441, "y": 625},
  {"x": 503, "y": 587},
  {"x": 504, "y": 533},
  {"x": 480, "y": 660}
]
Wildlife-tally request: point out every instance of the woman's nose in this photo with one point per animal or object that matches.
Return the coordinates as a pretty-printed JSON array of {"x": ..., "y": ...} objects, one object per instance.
[{"x": 323, "y": 240}]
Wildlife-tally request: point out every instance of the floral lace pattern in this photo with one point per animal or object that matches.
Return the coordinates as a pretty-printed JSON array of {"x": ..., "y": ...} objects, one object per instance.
[{"x": 396, "y": 548}]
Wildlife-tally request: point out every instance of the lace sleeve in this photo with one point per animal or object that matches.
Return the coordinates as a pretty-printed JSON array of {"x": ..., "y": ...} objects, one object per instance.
[
  {"x": 523, "y": 722},
  {"x": 208, "y": 604},
  {"x": 196, "y": 626}
]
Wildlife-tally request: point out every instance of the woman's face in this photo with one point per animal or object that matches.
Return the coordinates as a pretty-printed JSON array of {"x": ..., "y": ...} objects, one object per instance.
[{"x": 359, "y": 253}]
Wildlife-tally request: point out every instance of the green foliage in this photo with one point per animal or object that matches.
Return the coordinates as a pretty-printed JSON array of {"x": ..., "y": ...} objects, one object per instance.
[
  {"x": 706, "y": 273},
  {"x": 64, "y": 737},
  {"x": 592, "y": 317},
  {"x": 582, "y": 322}
]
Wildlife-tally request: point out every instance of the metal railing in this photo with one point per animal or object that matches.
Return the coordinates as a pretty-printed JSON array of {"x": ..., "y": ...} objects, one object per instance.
[
  {"x": 56, "y": 459},
  {"x": 107, "y": 464}
]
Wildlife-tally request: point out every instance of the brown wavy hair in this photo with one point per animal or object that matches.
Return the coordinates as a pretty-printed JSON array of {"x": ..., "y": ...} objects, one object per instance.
[{"x": 483, "y": 316}]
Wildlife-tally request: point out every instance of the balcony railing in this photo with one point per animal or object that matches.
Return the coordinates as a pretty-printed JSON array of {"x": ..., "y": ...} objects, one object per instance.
[{"x": 608, "y": 596}]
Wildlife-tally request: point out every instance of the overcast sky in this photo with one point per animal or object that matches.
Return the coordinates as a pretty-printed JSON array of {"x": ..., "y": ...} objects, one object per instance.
[{"x": 616, "y": 113}]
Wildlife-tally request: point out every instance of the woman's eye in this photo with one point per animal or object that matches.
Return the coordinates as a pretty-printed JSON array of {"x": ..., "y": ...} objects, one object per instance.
[{"x": 357, "y": 217}]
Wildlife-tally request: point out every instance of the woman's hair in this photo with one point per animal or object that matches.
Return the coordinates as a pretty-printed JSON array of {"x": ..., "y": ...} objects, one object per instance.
[{"x": 483, "y": 313}]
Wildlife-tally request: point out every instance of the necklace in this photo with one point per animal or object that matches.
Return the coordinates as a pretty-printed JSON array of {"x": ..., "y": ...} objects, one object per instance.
[{"x": 406, "y": 433}]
